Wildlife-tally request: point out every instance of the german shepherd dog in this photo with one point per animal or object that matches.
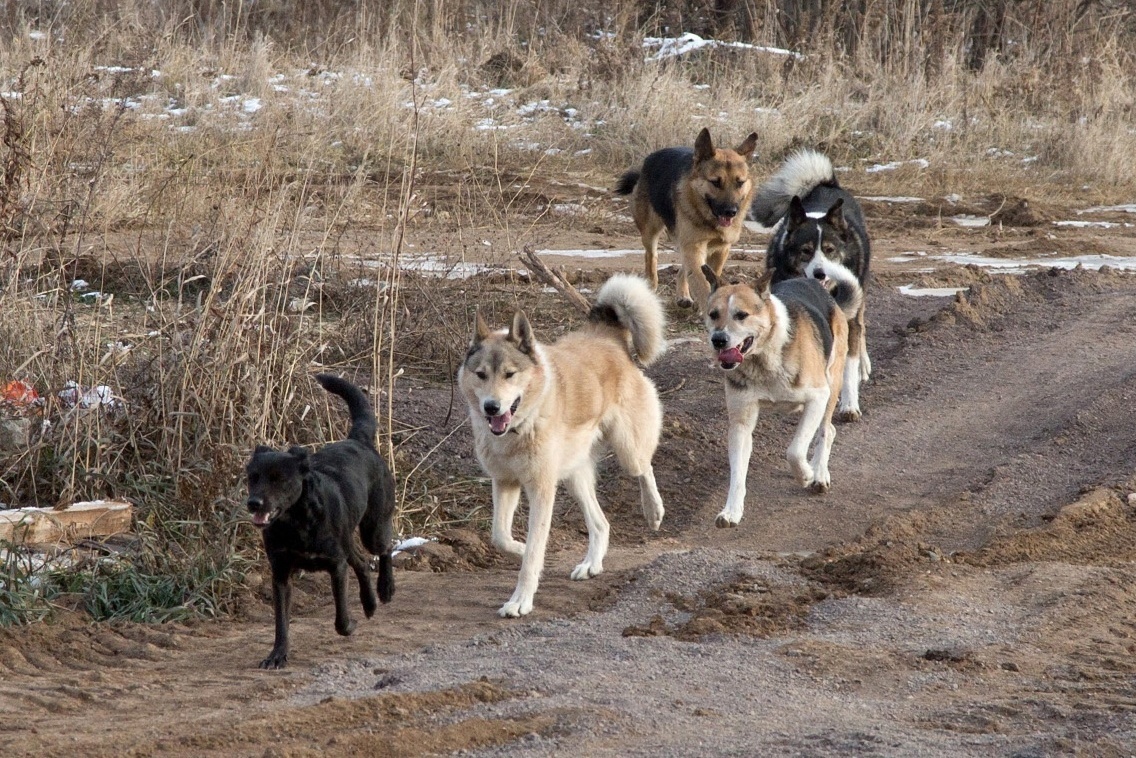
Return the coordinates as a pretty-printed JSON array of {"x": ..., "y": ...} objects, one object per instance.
[
  {"x": 700, "y": 196},
  {"x": 821, "y": 236},
  {"x": 308, "y": 508},
  {"x": 539, "y": 412},
  {"x": 781, "y": 344}
]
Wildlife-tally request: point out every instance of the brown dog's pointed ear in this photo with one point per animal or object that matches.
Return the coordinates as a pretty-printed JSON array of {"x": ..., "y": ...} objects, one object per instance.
[
  {"x": 711, "y": 277},
  {"x": 748, "y": 146},
  {"x": 797, "y": 215},
  {"x": 480, "y": 329},
  {"x": 835, "y": 215},
  {"x": 522, "y": 334},
  {"x": 703, "y": 146},
  {"x": 761, "y": 286}
]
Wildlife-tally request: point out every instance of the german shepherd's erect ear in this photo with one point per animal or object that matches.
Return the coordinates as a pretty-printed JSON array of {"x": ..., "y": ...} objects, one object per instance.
[
  {"x": 711, "y": 277},
  {"x": 480, "y": 329},
  {"x": 703, "y": 146},
  {"x": 748, "y": 146},
  {"x": 521, "y": 333}
]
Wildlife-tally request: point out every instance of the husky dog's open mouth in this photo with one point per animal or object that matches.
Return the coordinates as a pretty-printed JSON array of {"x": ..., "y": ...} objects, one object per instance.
[
  {"x": 731, "y": 357},
  {"x": 499, "y": 424}
]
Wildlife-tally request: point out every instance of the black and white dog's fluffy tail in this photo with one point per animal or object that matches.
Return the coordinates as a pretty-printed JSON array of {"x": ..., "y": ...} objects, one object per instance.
[
  {"x": 802, "y": 172},
  {"x": 363, "y": 423},
  {"x": 849, "y": 296}
]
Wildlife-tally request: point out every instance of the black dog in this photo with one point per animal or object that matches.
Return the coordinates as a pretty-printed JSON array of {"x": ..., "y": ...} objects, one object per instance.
[
  {"x": 822, "y": 236},
  {"x": 309, "y": 507}
]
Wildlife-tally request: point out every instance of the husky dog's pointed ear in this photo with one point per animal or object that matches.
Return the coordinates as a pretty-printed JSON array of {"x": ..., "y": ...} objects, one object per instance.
[
  {"x": 835, "y": 216},
  {"x": 761, "y": 286},
  {"x": 797, "y": 215},
  {"x": 711, "y": 277},
  {"x": 703, "y": 146},
  {"x": 522, "y": 334},
  {"x": 480, "y": 330},
  {"x": 748, "y": 146}
]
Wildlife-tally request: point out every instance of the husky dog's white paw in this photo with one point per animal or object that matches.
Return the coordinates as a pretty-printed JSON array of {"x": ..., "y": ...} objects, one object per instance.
[
  {"x": 587, "y": 569},
  {"x": 726, "y": 520},
  {"x": 516, "y": 608},
  {"x": 865, "y": 367},
  {"x": 802, "y": 471},
  {"x": 820, "y": 485},
  {"x": 512, "y": 547},
  {"x": 653, "y": 513}
]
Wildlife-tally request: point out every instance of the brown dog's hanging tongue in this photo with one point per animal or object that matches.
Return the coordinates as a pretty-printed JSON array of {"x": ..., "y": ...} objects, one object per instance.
[{"x": 730, "y": 356}]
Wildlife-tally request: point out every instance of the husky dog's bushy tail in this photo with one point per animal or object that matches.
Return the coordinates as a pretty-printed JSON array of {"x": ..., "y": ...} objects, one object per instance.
[
  {"x": 802, "y": 172},
  {"x": 363, "y": 423},
  {"x": 629, "y": 302}
]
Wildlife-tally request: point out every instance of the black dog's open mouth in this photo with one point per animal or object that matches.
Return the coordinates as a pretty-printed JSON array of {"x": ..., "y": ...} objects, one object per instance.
[
  {"x": 499, "y": 424},
  {"x": 261, "y": 519},
  {"x": 733, "y": 356}
]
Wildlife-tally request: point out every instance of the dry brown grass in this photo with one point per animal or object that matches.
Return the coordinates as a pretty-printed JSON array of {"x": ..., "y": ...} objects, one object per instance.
[{"x": 214, "y": 164}]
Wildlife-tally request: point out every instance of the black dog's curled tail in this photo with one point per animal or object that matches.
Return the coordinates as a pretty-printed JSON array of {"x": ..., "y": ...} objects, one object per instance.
[
  {"x": 627, "y": 183},
  {"x": 363, "y": 423}
]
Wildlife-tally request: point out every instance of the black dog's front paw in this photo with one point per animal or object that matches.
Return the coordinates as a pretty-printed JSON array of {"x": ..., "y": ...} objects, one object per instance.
[
  {"x": 344, "y": 628},
  {"x": 370, "y": 603},
  {"x": 277, "y": 659}
]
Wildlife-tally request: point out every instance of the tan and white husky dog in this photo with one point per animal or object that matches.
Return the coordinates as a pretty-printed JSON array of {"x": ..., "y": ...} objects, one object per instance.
[
  {"x": 539, "y": 412},
  {"x": 780, "y": 344}
]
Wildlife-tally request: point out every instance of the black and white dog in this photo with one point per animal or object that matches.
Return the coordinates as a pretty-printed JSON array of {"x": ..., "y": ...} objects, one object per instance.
[{"x": 820, "y": 234}]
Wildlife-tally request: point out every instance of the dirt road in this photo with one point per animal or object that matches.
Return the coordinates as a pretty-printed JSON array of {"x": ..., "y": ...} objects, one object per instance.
[{"x": 967, "y": 588}]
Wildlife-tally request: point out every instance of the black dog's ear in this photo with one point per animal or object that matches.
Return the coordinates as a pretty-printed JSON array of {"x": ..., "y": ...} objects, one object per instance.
[
  {"x": 262, "y": 449},
  {"x": 703, "y": 146},
  {"x": 522, "y": 334},
  {"x": 797, "y": 215},
  {"x": 301, "y": 456},
  {"x": 748, "y": 146},
  {"x": 711, "y": 277},
  {"x": 835, "y": 216}
]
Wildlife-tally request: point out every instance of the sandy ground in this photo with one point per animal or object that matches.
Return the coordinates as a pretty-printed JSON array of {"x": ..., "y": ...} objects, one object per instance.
[{"x": 966, "y": 588}]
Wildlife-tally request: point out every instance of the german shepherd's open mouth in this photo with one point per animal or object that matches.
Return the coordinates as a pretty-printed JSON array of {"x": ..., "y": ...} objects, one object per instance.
[
  {"x": 499, "y": 424},
  {"x": 732, "y": 357}
]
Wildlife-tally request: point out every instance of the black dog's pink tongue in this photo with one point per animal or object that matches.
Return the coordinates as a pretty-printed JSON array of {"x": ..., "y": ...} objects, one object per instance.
[
  {"x": 731, "y": 356},
  {"x": 498, "y": 424},
  {"x": 260, "y": 518}
]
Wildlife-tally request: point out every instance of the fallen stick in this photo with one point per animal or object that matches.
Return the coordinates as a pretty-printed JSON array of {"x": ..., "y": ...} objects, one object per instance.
[{"x": 555, "y": 279}]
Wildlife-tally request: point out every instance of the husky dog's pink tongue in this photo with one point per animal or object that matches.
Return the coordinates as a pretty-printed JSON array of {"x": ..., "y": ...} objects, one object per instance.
[
  {"x": 498, "y": 424},
  {"x": 730, "y": 357}
]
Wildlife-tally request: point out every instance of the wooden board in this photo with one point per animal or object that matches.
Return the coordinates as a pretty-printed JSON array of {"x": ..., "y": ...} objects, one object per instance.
[{"x": 34, "y": 526}]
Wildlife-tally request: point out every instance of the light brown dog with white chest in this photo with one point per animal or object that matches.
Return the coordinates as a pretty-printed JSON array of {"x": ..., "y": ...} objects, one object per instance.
[
  {"x": 782, "y": 344},
  {"x": 539, "y": 411}
]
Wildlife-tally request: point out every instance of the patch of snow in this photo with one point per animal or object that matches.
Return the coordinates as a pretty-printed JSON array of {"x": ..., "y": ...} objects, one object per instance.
[{"x": 912, "y": 291}]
